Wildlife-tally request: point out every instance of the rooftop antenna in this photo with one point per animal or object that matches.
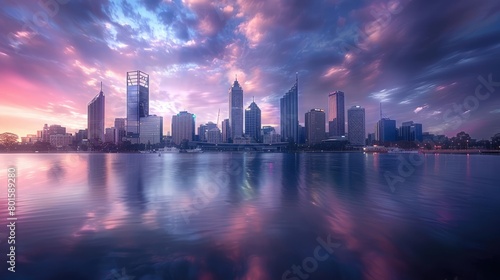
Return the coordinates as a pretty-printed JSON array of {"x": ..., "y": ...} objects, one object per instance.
[
  {"x": 236, "y": 77},
  {"x": 380, "y": 110},
  {"x": 253, "y": 99}
]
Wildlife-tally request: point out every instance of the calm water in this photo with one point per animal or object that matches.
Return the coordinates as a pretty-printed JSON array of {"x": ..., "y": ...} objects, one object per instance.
[{"x": 253, "y": 216}]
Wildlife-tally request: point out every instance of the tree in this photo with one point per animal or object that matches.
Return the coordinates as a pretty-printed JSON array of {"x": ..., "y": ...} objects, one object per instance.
[{"x": 8, "y": 139}]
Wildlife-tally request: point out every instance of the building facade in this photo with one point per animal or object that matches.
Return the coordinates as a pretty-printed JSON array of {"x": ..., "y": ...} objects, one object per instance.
[
  {"x": 151, "y": 130},
  {"x": 385, "y": 130},
  {"x": 289, "y": 114},
  {"x": 336, "y": 114},
  {"x": 315, "y": 126},
  {"x": 183, "y": 127},
  {"x": 225, "y": 131},
  {"x": 356, "y": 126},
  {"x": 121, "y": 129},
  {"x": 95, "y": 118},
  {"x": 214, "y": 136},
  {"x": 235, "y": 110},
  {"x": 137, "y": 103},
  {"x": 410, "y": 131},
  {"x": 253, "y": 122}
]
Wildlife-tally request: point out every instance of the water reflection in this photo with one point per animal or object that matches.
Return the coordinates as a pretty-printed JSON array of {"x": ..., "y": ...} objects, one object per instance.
[{"x": 265, "y": 218}]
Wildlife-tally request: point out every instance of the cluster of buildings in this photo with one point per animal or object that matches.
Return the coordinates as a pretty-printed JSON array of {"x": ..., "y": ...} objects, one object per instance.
[{"x": 244, "y": 125}]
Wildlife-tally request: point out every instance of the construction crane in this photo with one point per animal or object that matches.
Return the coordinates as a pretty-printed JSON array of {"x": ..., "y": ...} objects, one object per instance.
[{"x": 218, "y": 114}]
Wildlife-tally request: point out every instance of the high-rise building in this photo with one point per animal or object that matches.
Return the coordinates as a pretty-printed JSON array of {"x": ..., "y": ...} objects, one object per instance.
[
  {"x": 336, "y": 114},
  {"x": 214, "y": 136},
  {"x": 225, "y": 131},
  {"x": 183, "y": 126},
  {"x": 253, "y": 122},
  {"x": 236, "y": 110},
  {"x": 137, "y": 103},
  {"x": 111, "y": 135},
  {"x": 269, "y": 135},
  {"x": 356, "y": 126},
  {"x": 54, "y": 129},
  {"x": 315, "y": 126},
  {"x": 151, "y": 130},
  {"x": 121, "y": 129},
  {"x": 410, "y": 131},
  {"x": 289, "y": 114},
  {"x": 203, "y": 129},
  {"x": 95, "y": 118},
  {"x": 385, "y": 130}
]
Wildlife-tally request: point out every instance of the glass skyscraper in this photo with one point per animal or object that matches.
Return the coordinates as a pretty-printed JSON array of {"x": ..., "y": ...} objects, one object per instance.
[
  {"x": 336, "y": 114},
  {"x": 356, "y": 125},
  {"x": 235, "y": 110},
  {"x": 151, "y": 130},
  {"x": 95, "y": 119},
  {"x": 289, "y": 114},
  {"x": 137, "y": 102},
  {"x": 253, "y": 122}
]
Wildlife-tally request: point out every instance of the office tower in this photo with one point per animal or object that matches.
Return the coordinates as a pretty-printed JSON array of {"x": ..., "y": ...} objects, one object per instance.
[
  {"x": 385, "y": 130},
  {"x": 235, "y": 110},
  {"x": 225, "y": 131},
  {"x": 289, "y": 114},
  {"x": 336, "y": 114},
  {"x": 60, "y": 140},
  {"x": 111, "y": 135},
  {"x": 137, "y": 103},
  {"x": 120, "y": 125},
  {"x": 356, "y": 126},
  {"x": 203, "y": 130},
  {"x": 95, "y": 118},
  {"x": 302, "y": 134},
  {"x": 202, "y": 133},
  {"x": 315, "y": 126},
  {"x": 253, "y": 122},
  {"x": 410, "y": 131},
  {"x": 183, "y": 126},
  {"x": 269, "y": 135},
  {"x": 214, "y": 136},
  {"x": 54, "y": 129},
  {"x": 151, "y": 130}
]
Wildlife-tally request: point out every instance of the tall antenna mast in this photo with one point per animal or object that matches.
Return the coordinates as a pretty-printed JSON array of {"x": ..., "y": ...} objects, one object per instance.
[{"x": 380, "y": 110}]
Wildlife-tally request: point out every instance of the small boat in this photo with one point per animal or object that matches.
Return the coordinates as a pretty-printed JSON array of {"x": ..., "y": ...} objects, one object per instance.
[
  {"x": 169, "y": 150},
  {"x": 197, "y": 150}
]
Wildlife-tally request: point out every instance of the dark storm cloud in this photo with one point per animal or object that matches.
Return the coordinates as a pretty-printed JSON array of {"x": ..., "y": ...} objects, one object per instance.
[{"x": 423, "y": 57}]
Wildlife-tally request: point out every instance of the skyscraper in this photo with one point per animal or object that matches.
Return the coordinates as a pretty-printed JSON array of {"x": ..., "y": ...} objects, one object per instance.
[
  {"x": 253, "y": 122},
  {"x": 356, "y": 125},
  {"x": 183, "y": 126},
  {"x": 151, "y": 130},
  {"x": 336, "y": 114},
  {"x": 236, "y": 110},
  {"x": 410, "y": 131},
  {"x": 315, "y": 126},
  {"x": 137, "y": 102},
  {"x": 289, "y": 114},
  {"x": 385, "y": 130},
  {"x": 95, "y": 118},
  {"x": 120, "y": 125},
  {"x": 225, "y": 130}
]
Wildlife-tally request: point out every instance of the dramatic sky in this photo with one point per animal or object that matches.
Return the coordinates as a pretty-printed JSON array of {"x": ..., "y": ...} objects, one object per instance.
[{"x": 422, "y": 59}]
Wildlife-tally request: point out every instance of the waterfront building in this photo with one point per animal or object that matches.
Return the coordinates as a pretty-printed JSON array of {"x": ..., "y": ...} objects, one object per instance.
[
  {"x": 356, "y": 126},
  {"x": 336, "y": 114}
]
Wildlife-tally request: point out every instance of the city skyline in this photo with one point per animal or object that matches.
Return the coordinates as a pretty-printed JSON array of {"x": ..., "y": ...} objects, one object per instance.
[{"x": 421, "y": 67}]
